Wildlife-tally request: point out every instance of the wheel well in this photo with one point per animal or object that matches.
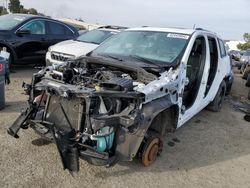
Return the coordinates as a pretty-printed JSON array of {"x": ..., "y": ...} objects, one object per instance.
[{"x": 165, "y": 121}]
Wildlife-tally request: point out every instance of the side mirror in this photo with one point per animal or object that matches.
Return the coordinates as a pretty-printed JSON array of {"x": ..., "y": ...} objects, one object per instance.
[{"x": 22, "y": 32}]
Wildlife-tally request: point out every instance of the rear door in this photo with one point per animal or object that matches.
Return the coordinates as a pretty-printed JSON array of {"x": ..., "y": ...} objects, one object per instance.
[
  {"x": 34, "y": 43},
  {"x": 219, "y": 67},
  {"x": 59, "y": 32}
]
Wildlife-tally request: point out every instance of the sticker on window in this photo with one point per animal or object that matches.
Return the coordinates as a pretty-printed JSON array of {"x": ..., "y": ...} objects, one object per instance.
[{"x": 178, "y": 36}]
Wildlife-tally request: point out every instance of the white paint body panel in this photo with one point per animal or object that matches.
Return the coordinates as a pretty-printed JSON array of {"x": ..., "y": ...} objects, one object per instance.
[
  {"x": 223, "y": 70},
  {"x": 153, "y": 89}
]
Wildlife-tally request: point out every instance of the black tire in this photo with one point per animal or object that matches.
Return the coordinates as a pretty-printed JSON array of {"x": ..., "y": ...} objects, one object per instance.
[
  {"x": 242, "y": 67},
  {"x": 246, "y": 72},
  {"x": 247, "y": 117},
  {"x": 248, "y": 80},
  {"x": 216, "y": 104},
  {"x": 248, "y": 96},
  {"x": 229, "y": 86}
]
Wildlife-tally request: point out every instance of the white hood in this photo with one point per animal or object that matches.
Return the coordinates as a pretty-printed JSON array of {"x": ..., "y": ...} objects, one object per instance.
[{"x": 73, "y": 47}]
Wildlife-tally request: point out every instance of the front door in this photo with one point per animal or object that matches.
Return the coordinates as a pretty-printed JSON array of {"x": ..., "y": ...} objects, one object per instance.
[
  {"x": 196, "y": 86},
  {"x": 34, "y": 43}
]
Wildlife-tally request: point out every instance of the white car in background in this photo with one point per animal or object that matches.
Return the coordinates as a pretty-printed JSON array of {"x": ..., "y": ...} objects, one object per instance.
[{"x": 73, "y": 49}]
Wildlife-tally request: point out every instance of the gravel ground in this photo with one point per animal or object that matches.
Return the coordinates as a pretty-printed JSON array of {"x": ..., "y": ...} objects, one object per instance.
[{"x": 213, "y": 152}]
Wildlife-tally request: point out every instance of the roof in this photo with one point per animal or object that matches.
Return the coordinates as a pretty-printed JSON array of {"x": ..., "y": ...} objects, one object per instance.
[
  {"x": 162, "y": 29},
  {"x": 172, "y": 30},
  {"x": 28, "y": 16},
  {"x": 114, "y": 27},
  {"x": 111, "y": 30},
  {"x": 24, "y": 15},
  {"x": 79, "y": 24}
]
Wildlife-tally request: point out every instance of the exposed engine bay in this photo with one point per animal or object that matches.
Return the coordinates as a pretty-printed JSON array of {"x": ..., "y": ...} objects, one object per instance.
[{"x": 91, "y": 109}]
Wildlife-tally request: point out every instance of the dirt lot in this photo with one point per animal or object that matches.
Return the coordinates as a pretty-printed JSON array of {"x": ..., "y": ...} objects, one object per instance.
[{"x": 214, "y": 151}]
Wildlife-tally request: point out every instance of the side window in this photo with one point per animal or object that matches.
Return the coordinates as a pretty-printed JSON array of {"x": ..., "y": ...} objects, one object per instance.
[
  {"x": 68, "y": 31},
  {"x": 56, "y": 29},
  {"x": 222, "y": 48},
  {"x": 36, "y": 27}
]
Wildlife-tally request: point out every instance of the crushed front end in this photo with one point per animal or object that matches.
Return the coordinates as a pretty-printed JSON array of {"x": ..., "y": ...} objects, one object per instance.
[{"x": 90, "y": 109}]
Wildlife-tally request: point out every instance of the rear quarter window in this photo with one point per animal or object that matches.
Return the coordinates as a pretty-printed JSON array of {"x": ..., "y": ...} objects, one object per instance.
[
  {"x": 223, "y": 52},
  {"x": 68, "y": 31},
  {"x": 58, "y": 29}
]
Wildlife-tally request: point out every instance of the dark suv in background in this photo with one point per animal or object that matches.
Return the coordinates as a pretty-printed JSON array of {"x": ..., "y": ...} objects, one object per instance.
[{"x": 28, "y": 37}]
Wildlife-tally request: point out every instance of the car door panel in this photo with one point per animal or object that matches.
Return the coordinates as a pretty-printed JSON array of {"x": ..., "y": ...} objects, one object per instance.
[
  {"x": 198, "y": 102},
  {"x": 220, "y": 72},
  {"x": 58, "y": 32},
  {"x": 33, "y": 44}
]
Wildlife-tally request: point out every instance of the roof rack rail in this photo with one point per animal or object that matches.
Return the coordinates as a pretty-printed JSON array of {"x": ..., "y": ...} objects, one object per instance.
[
  {"x": 112, "y": 27},
  {"x": 201, "y": 29}
]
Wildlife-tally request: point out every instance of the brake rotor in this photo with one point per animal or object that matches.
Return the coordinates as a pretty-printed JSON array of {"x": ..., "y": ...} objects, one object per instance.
[{"x": 150, "y": 151}]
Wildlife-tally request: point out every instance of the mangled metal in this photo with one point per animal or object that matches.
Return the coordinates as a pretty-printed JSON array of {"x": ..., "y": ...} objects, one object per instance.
[
  {"x": 92, "y": 108},
  {"x": 118, "y": 102}
]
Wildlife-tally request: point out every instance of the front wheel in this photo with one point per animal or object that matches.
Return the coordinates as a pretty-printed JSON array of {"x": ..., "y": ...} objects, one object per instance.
[
  {"x": 216, "y": 104},
  {"x": 151, "y": 148}
]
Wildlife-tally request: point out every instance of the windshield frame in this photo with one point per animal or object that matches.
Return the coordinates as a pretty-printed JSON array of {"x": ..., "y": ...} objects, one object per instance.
[{"x": 174, "y": 63}]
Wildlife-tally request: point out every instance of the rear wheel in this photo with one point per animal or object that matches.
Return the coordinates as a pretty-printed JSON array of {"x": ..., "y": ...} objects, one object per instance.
[
  {"x": 248, "y": 96},
  {"x": 216, "y": 104},
  {"x": 229, "y": 87},
  {"x": 248, "y": 80},
  {"x": 246, "y": 72}
]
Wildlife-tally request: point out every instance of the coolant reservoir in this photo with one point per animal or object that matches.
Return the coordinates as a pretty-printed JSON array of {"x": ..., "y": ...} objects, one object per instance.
[{"x": 104, "y": 138}]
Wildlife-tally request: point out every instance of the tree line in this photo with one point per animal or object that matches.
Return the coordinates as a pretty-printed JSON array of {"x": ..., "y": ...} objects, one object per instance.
[
  {"x": 16, "y": 7},
  {"x": 246, "y": 45}
]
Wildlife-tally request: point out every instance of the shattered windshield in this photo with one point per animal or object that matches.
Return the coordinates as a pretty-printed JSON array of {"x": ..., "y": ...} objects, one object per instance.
[
  {"x": 95, "y": 36},
  {"x": 8, "y": 22},
  {"x": 155, "y": 46}
]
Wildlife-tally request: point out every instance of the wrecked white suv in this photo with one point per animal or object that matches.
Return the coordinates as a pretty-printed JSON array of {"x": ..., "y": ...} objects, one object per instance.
[{"x": 121, "y": 100}]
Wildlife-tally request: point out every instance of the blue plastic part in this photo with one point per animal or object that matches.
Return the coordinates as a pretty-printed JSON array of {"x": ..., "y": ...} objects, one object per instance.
[{"x": 105, "y": 142}]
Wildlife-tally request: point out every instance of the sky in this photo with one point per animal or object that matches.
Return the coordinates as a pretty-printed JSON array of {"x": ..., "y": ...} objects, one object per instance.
[{"x": 229, "y": 18}]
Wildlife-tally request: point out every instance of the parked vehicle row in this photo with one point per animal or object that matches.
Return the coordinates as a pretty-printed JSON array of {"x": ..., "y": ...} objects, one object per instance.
[
  {"x": 75, "y": 48},
  {"x": 245, "y": 64},
  {"x": 29, "y": 37},
  {"x": 121, "y": 99}
]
